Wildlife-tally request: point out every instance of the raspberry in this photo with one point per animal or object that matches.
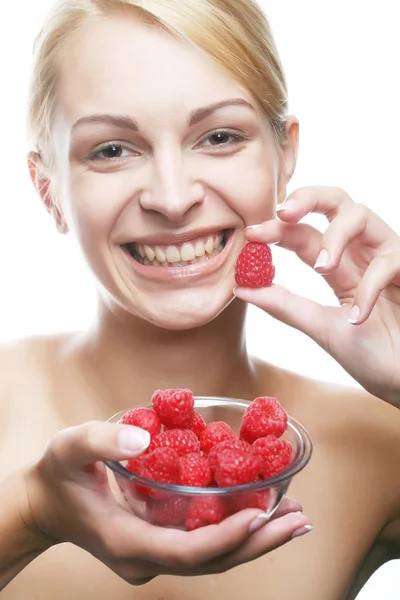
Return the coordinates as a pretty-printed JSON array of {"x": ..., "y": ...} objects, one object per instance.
[
  {"x": 194, "y": 470},
  {"x": 235, "y": 467},
  {"x": 244, "y": 500},
  {"x": 169, "y": 511},
  {"x": 207, "y": 510},
  {"x": 198, "y": 425},
  {"x": 135, "y": 464},
  {"x": 175, "y": 408},
  {"x": 161, "y": 465},
  {"x": 275, "y": 455},
  {"x": 264, "y": 416},
  {"x": 226, "y": 445},
  {"x": 181, "y": 440},
  {"x": 254, "y": 266},
  {"x": 214, "y": 433},
  {"x": 145, "y": 418}
]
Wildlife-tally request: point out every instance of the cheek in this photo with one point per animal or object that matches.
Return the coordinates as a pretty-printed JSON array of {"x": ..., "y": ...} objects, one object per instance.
[
  {"x": 247, "y": 182},
  {"x": 95, "y": 203}
]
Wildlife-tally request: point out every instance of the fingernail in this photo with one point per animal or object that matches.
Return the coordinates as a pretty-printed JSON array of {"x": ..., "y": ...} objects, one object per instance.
[
  {"x": 322, "y": 259},
  {"x": 261, "y": 520},
  {"x": 257, "y": 226},
  {"x": 133, "y": 439},
  {"x": 354, "y": 314},
  {"x": 234, "y": 290},
  {"x": 287, "y": 204},
  {"x": 302, "y": 531}
]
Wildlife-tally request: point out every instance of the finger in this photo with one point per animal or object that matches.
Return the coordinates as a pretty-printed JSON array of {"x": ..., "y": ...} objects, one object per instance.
[
  {"x": 357, "y": 221},
  {"x": 194, "y": 548},
  {"x": 301, "y": 238},
  {"x": 274, "y": 534},
  {"x": 381, "y": 272},
  {"x": 305, "y": 315},
  {"x": 178, "y": 549},
  {"x": 85, "y": 444},
  {"x": 286, "y": 506},
  {"x": 316, "y": 199}
]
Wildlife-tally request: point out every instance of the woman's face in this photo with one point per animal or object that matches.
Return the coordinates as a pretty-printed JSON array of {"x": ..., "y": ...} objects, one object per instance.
[{"x": 162, "y": 160}]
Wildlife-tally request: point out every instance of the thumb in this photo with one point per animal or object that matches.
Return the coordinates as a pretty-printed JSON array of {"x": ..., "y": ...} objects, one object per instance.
[
  {"x": 95, "y": 441},
  {"x": 303, "y": 314}
]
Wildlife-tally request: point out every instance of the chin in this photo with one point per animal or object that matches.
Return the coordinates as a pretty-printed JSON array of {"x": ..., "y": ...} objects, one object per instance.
[{"x": 186, "y": 313}]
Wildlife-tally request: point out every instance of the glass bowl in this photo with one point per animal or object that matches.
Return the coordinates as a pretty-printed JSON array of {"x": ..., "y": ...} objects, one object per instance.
[{"x": 168, "y": 505}]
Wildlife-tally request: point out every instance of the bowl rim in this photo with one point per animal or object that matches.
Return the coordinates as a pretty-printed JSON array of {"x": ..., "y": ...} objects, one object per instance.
[{"x": 304, "y": 450}]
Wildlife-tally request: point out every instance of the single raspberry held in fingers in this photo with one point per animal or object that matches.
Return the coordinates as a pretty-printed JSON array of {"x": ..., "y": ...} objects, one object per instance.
[
  {"x": 235, "y": 467},
  {"x": 145, "y": 418},
  {"x": 194, "y": 470},
  {"x": 214, "y": 433},
  {"x": 168, "y": 511},
  {"x": 264, "y": 416},
  {"x": 207, "y": 510},
  {"x": 226, "y": 445},
  {"x": 175, "y": 408},
  {"x": 183, "y": 441},
  {"x": 254, "y": 266},
  {"x": 275, "y": 454},
  {"x": 198, "y": 424}
]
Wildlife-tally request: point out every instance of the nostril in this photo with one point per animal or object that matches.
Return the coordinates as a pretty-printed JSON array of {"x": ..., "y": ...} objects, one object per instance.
[{"x": 172, "y": 201}]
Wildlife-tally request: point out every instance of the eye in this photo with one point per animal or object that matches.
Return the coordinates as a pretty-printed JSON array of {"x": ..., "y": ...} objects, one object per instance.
[
  {"x": 111, "y": 151},
  {"x": 222, "y": 138}
]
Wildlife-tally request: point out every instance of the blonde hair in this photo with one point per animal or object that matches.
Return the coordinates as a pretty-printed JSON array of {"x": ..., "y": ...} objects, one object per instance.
[{"x": 234, "y": 32}]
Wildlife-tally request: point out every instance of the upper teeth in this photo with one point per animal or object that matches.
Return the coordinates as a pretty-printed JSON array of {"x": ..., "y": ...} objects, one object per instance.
[{"x": 186, "y": 252}]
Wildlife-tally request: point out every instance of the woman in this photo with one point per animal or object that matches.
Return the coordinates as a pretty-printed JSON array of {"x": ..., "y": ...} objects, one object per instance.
[{"x": 157, "y": 129}]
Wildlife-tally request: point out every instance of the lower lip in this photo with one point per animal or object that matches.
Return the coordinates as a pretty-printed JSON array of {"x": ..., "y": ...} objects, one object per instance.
[{"x": 194, "y": 272}]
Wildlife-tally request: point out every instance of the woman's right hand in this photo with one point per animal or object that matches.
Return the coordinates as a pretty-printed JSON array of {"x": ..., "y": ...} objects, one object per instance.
[{"x": 69, "y": 500}]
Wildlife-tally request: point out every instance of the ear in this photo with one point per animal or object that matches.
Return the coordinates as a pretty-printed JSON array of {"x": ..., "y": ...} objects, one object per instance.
[
  {"x": 42, "y": 184},
  {"x": 288, "y": 156}
]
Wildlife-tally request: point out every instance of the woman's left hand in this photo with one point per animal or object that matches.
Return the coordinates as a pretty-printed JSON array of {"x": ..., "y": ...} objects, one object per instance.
[{"x": 359, "y": 257}]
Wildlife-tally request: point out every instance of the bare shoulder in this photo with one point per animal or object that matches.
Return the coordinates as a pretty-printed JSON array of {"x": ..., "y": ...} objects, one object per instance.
[
  {"x": 24, "y": 366},
  {"x": 360, "y": 432},
  {"x": 24, "y": 354},
  {"x": 338, "y": 406}
]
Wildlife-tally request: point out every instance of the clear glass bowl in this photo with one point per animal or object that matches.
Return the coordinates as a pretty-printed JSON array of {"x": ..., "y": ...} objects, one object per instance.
[{"x": 166, "y": 505}]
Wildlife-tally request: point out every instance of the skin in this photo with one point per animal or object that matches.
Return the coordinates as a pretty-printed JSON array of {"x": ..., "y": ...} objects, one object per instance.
[{"x": 170, "y": 182}]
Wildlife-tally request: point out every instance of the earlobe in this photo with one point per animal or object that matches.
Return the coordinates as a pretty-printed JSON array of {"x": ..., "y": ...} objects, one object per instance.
[{"x": 42, "y": 185}]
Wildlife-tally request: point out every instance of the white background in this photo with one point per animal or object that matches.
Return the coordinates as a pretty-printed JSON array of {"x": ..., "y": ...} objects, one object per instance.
[{"x": 342, "y": 63}]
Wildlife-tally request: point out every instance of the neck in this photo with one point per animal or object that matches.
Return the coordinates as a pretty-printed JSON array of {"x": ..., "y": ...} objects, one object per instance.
[{"x": 130, "y": 358}]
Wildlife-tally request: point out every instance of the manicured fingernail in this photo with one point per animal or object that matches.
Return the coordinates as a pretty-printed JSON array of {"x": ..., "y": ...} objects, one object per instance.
[
  {"x": 287, "y": 204},
  {"x": 234, "y": 290},
  {"x": 261, "y": 520},
  {"x": 354, "y": 314},
  {"x": 302, "y": 531},
  {"x": 133, "y": 439},
  {"x": 322, "y": 259}
]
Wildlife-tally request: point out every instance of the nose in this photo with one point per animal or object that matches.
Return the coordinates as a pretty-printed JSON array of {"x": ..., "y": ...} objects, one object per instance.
[{"x": 173, "y": 191}]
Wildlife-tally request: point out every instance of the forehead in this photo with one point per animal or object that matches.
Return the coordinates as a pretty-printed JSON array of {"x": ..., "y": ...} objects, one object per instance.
[{"x": 120, "y": 64}]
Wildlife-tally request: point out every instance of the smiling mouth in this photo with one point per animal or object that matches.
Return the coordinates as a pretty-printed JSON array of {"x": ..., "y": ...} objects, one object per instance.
[{"x": 180, "y": 255}]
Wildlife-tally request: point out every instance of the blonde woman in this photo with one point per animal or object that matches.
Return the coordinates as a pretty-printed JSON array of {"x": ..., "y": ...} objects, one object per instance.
[{"x": 156, "y": 126}]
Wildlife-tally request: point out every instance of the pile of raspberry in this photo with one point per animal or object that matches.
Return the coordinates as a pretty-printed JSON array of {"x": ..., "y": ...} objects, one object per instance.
[{"x": 185, "y": 450}]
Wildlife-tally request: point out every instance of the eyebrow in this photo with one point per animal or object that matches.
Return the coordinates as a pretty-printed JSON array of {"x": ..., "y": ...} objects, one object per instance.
[
  {"x": 202, "y": 113},
  {"x": 195, "y": 117},
  {"x": 121, "y": 121}
]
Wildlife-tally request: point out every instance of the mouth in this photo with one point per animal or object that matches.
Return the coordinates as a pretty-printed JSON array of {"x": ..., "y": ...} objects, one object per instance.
[{"x": 199, "y": 250}]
